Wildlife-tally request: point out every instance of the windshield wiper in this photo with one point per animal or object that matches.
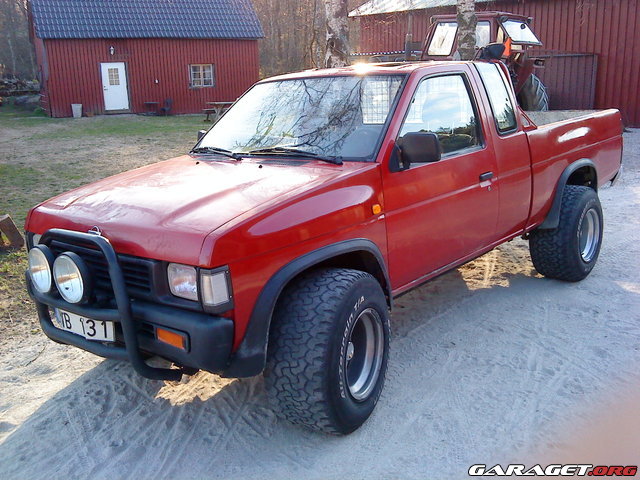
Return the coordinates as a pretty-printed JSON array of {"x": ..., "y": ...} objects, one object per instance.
[
  {"x": 218, "y": 150},
  {"x": 290, "y": 151}
]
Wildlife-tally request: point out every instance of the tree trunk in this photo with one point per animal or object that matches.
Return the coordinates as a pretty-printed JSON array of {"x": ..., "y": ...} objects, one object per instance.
[
  {"x": 467, "y": 22},
  {"x": 319, "y": 23},
  {"x": 337, "y": 34}
]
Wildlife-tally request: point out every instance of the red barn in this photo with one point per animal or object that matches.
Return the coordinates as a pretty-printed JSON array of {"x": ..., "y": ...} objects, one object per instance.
[
  {"x": 135, "y": 56},
  {"x": 591, "y": 46}
]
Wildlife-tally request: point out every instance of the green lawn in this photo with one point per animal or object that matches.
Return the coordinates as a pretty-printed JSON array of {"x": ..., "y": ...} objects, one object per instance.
[{"x": 41, "y": 157}]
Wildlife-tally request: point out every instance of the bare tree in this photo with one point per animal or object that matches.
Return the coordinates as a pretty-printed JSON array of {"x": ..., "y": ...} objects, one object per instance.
[
  {"x": 295, "y": 34},
  {"x": 337, "y": 33},
  {"x": 467, "y": 22},
  {"x": 16, "y": 52}
]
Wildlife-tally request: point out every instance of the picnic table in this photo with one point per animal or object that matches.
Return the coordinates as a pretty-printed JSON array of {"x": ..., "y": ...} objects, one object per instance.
[{"x": 216, "y": 109}]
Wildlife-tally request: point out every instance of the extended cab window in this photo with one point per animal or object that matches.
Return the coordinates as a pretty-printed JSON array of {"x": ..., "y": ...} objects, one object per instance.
[
  {"x": 442, "y": 105},
  {"x": 496, "y": 86}
]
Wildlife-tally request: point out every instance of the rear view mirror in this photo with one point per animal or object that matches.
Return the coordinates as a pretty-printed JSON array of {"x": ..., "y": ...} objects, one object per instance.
[
  {"x": 201, "y": 134},
  {"x": 418, "y": 147}
]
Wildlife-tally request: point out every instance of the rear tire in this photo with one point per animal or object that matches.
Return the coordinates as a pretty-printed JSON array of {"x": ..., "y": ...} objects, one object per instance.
[
  {"x": 570, "y": 251},
  {"x": 328, "y": 350},
  {"x": 533, "y": 97}
]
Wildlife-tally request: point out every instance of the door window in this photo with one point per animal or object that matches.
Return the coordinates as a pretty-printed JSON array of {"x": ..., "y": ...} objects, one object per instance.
[
  {"x": 114, "y": 76},
  {"x": 495, "y": 85},
  {"x": 442, "y": 105}
]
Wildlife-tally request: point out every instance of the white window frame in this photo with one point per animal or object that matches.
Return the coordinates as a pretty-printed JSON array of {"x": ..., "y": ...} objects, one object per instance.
[{"x": 201, "y": 80}]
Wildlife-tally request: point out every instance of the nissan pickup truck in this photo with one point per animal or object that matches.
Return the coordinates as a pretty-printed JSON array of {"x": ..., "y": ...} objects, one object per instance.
[{"x": 277, "y": 244}]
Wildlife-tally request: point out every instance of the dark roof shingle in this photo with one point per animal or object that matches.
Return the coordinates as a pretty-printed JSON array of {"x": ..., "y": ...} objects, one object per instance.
[{"x": 146, "y": 19}]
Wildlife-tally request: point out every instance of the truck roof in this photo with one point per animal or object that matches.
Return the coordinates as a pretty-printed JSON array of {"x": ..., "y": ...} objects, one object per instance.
[{"x": 364, "y": 69}]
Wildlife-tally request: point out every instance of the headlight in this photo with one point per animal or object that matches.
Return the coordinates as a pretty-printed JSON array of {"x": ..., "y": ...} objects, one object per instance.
[
  {"x": 215, "y": 287},
  {"x": 72, "y": 277},
  {"x": 183, "y": 281},
  {"x": 40, "y": 260}
]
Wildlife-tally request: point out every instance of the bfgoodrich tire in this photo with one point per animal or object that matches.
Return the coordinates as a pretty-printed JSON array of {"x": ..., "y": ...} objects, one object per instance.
[
  {"x": 328, "y": 350},
  {"x": 570, "y": 251}
]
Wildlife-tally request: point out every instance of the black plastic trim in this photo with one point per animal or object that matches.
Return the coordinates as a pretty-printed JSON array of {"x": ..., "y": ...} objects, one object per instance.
[
  {"x": 250, "y": 358},
  {"x": 552, "y": 219},
  {"x": 223, "y": 307},
  {"x": 122, "y": 302},
  {"x": 209, "y": 338}
]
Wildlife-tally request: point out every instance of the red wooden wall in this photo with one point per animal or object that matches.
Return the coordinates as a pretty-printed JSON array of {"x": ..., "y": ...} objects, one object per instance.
[
  {"x": 71, "y": 71},
  {"x": 608, "y": 29}
]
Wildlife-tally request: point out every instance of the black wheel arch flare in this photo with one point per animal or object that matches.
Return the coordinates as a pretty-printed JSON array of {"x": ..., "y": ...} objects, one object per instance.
[
  {"x": 250, "y": 358},
  {"x": 553, "y": 217}
]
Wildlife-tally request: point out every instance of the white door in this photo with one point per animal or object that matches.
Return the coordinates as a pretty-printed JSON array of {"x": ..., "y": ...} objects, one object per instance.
[{"x": 114, "y": 84}]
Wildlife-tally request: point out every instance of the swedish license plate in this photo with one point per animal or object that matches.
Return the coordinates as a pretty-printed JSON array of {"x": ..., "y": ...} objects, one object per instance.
[{"x": 86, "y": 327}]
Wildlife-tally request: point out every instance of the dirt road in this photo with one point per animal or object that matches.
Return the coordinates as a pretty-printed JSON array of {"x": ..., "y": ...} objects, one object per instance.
[{"x": 490, "y": 363}]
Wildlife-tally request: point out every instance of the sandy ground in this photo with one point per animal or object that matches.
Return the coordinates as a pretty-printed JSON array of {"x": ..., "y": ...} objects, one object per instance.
[{"x": 490, "y": 363}]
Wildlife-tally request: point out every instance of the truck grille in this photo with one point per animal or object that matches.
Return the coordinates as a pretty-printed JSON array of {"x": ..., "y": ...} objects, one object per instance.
[{"x": 137, "y": 271}]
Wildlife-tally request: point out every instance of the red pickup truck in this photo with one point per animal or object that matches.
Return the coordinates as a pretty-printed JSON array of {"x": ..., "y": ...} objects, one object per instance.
[{"x": 280, "y": 241}]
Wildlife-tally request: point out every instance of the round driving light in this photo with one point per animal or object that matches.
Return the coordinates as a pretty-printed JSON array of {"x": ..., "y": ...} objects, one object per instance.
[
  {"x": 72, "y": 277},
  {"x": 40, "y": 260}
]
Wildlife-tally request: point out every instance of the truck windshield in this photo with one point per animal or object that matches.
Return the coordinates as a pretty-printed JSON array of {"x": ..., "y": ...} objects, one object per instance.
[{"x": 341, "y": 117}]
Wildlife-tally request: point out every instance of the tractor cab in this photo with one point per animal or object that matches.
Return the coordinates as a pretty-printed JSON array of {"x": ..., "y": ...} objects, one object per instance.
[{"x": 514, "y": 31}]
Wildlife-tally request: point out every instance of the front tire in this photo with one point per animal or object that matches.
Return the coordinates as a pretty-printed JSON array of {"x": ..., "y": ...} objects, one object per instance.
[
  {"x": 328, "y": 350},
  {"x": 570, "y": 251}
]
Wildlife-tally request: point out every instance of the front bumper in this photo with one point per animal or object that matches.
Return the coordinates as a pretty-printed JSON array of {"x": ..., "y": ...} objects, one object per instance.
[{"x": 209, "y": 338}]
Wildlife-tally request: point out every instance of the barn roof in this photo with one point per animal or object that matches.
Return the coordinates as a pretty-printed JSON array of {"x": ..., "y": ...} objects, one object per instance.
[
  {"x": 375, "y": 7},
  {"x": 146, "y": 19}
]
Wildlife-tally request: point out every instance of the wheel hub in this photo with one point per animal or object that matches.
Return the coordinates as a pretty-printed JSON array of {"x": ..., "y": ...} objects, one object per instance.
[
  {"x": 589, "y": 235},
  {"x": 364, "y": 354}
]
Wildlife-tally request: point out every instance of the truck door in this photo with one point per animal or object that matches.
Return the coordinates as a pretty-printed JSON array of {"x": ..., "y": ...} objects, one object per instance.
[
  {"x": 509, "y": 142},
  {"x": 439, "y": 213}
]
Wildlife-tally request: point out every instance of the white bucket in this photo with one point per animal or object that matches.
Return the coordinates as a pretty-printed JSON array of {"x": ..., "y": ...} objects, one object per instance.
[{"x": 76, "y": 108}]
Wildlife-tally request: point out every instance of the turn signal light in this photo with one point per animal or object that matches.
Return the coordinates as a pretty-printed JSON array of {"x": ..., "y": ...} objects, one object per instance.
[{"x": 172, "y": 338}]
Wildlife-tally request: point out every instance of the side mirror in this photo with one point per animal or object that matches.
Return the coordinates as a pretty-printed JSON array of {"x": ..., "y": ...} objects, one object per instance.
[
  {"x": 416, "y": 147},
  {"x": 201, "y": 134}
]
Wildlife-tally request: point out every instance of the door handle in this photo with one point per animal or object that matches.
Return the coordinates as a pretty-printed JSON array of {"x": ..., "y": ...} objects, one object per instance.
[{"x": 486, "y": 176}]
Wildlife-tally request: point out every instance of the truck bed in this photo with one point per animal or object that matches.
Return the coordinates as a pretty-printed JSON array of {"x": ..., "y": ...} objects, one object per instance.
[
  {"x": 552, "y": 116},
  {"x": 564, "y": 137}
]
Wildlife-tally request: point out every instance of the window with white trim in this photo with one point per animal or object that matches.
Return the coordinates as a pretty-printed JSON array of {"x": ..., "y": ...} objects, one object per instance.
[{"x": 201, "y": 75}]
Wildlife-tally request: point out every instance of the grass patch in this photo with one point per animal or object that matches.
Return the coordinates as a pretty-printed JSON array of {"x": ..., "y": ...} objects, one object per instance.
[
  {"x": 11, "y": 115},
  {"x": 41, "y": 157},
  {"x": 126, "y": 126},
  {"x": 15, "y": 304},
  {"x": 25, "y": 186}
]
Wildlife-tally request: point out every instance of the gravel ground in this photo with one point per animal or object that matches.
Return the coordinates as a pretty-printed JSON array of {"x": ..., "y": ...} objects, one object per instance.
[{"x": 490, "y": 363}]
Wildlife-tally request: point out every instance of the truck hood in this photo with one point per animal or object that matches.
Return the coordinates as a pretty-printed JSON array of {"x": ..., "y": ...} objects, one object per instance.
[{"x": 166, "y": 210}]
